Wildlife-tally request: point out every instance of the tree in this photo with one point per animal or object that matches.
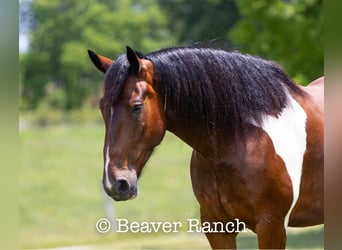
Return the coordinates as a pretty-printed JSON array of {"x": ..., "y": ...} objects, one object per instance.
[
  {"x": 62, "y": 31},
  {"x": 195, "y": 21},
  {"x": 287, "y": 31},
  {"x": 290, "y": 32}
]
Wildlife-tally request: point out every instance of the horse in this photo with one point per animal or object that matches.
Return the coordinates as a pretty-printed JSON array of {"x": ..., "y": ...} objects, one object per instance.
[{"x": 257, "y": 137}]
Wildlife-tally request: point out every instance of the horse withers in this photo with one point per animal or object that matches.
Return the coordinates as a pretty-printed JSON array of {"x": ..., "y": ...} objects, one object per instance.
[{"x": 257, "y": 137}]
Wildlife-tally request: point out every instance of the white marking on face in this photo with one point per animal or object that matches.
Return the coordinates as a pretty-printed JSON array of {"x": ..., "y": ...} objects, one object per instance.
[
  {"x": 288, "y": 135},
  {"x": 107, "y": 182}
]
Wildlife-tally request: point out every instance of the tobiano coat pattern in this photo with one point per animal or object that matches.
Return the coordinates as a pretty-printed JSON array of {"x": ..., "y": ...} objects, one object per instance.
[{"x": 257, "y": 137}]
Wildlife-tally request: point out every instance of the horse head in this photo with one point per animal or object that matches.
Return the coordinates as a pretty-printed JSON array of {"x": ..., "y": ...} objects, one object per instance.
[{"x": 134, "y": 121}]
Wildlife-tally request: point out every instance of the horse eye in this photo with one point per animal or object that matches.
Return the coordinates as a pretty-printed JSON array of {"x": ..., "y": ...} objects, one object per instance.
[{"x": 137, "y": 108}]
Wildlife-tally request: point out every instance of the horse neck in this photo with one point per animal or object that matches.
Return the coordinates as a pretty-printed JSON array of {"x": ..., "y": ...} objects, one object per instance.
[{"x": 195, "y": 136}]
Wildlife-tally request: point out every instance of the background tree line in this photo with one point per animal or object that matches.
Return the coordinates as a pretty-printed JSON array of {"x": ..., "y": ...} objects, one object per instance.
[{"x": 56, "y": 69}]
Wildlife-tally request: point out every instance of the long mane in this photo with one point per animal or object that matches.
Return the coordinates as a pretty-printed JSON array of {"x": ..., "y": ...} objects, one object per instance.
[{"x": 217, "y": 89}]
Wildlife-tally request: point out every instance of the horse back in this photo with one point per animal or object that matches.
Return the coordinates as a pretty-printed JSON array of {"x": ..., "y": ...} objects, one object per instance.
[{"x": 316, "y": 90}]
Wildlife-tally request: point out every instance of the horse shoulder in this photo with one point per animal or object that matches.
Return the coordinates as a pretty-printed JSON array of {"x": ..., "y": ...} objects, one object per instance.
[{"x": 204, "y": 184}]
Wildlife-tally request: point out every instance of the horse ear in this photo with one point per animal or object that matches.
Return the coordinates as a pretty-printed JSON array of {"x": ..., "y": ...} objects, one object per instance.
[
  {"x": 101, "y": 63},
  {"x": 133, "y": 60}
]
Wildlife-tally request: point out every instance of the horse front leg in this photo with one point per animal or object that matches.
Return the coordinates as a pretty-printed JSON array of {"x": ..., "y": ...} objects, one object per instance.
[
  {"x": 204, "y": 186},
  {"x": 219, "y": 240},
  {"x": 271, "y": 233}
]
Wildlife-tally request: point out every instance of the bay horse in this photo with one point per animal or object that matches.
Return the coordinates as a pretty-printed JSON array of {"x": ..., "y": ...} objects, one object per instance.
[{"x": 257, "y": 137}]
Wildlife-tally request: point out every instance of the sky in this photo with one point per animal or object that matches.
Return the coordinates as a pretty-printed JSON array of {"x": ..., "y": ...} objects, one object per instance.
[
  {"x": 23, "y": 26},
  {"x": 23, "y": 43}
]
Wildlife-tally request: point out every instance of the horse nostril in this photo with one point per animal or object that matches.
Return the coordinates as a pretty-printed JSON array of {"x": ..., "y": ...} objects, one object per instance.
[{"x": 123, "y": 186}]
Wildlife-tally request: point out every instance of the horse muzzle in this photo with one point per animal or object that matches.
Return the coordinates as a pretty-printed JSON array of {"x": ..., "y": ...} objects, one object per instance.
[{"x": 122, "y": 188}]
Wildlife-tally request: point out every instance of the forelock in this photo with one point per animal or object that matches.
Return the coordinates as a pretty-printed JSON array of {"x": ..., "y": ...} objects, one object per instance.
[{"x": 115, "y": 78}]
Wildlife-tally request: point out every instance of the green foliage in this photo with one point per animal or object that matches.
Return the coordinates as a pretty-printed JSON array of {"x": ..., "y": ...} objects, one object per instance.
[
  {"x": 33, "y": 82},
  {"x": 289, "y": 32},
  {"x": 193, "y": 21},
  {"x": 62, "y": 31}
]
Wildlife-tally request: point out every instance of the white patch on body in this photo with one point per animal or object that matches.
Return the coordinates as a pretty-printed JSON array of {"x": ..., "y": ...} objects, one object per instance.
[
  {"x": 107, "y": 182},
  {"x": 288, "y": 134}
]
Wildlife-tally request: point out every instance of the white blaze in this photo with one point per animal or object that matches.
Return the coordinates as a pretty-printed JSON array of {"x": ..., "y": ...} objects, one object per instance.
[
  {"x": 288, "y": 135},
  {"x": 107, "y": 182}
]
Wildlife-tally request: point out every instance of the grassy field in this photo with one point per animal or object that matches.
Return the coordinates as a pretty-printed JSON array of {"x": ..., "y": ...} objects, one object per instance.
[{"x": 62, "y": 198}]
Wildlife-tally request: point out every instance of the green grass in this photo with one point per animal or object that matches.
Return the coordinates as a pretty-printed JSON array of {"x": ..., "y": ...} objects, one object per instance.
[{"x": 61, "y": 194}]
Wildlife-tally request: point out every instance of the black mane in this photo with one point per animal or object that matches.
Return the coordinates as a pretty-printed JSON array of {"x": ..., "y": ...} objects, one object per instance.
[{"x": 214, "y": 88}]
